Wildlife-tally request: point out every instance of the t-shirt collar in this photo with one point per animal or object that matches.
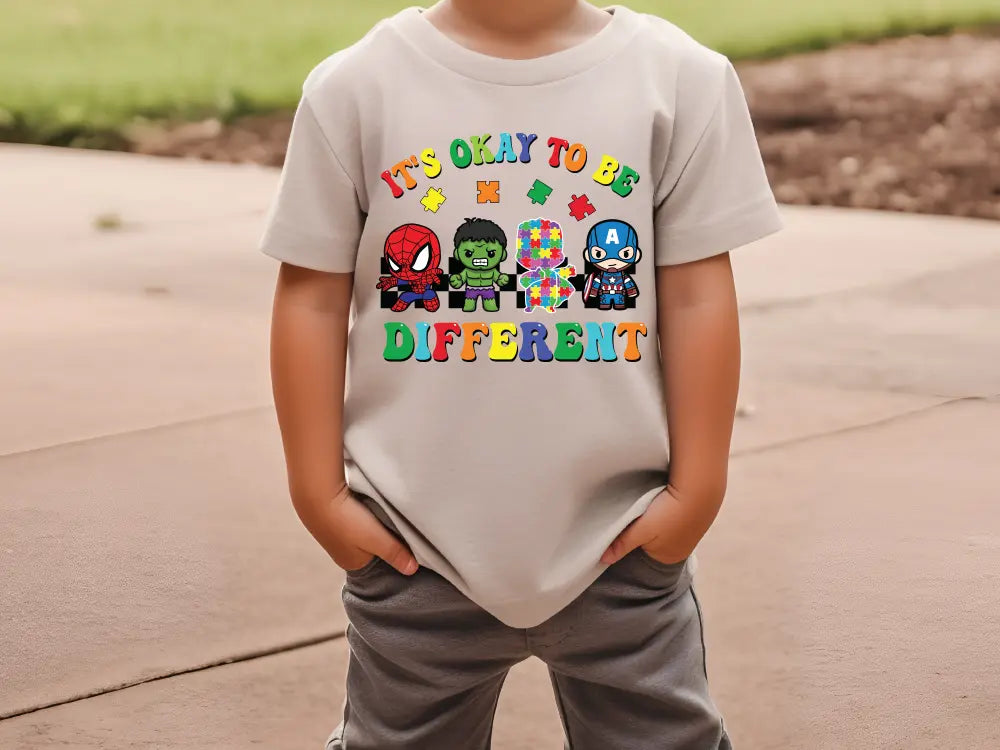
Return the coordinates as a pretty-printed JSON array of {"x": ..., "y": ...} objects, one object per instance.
[{"x": 429, "y": 40}]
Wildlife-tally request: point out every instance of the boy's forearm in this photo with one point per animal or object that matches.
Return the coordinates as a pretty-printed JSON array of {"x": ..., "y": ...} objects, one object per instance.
[
  {"x": 308, "y": 356},
  {"x": 700, "y": 349}
]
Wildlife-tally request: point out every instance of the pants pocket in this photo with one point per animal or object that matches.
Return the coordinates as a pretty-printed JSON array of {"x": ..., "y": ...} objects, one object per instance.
[
  {"x": 365, "y": 569},
  {"x": 659, "y": 564},
  {"x": 642, "y": 572}
]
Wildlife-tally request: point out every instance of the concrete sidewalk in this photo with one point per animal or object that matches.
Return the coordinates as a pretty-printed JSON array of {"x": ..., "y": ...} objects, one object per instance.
[{"x": 851, "y": 584}]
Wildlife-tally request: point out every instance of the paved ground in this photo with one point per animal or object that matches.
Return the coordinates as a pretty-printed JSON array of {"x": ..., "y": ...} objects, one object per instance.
[{"x": 851, "y": 585}]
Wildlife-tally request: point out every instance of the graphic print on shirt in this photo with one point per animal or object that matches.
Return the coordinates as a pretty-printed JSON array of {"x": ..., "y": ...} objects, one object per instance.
[
  {"x": 612, "y": 248},
  {"x": 546, "y": 279},
  {"x": 412, "y": 262},
  {"x": 513, "y": 150},
  {"x": 480, "y": 247}
]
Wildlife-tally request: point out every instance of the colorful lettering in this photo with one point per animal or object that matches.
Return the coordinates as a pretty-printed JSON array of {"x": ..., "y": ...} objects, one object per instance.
[
  {"x": 481, "y": 154},
  {"x": 600, "y": 342},
  {"x": 623, "y": 185},
  {"x": 533, "y": 342},
  {"x": 557, "y": 145},
  {"x": 605, "y": 173},
  {"x": 398, "y": 342},
  {"x": 506, "y": 150},
  {"x": 568, "y": 347},
  {"x": 444, "y": 334},
  {"x": 502, "y": 348},
  {"x": 576, "y": 157},
  {"x": 432, "y": 165},
  {"x": 526, "y": 140},
  {"x": 397, "y": 191},
  {"x": 403, "y": 168},
  {"x": 632, "y": 332},
  {"x": 461, "y": 154},
  {"x": 528, "y": 341},
  {"x": 423, "y": 348},
  {"x": 472, "y": 334}
]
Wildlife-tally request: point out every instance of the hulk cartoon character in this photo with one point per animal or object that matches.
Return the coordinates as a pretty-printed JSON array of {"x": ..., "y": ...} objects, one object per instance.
[{"x": 480, "y": 246}]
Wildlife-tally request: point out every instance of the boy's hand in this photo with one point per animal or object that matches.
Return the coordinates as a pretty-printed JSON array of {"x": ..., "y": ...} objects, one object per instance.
[
  {"x": 308, "y": 370},
  {"x": 668, "y": 531},
  {"x": 698, "y": 329},
  {"x": 352, "y": 535},
  {"x": 456, "y": 280}
]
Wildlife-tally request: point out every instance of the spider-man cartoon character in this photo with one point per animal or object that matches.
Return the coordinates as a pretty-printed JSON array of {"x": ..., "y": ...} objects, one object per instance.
[{"x": 413, "y": 254}]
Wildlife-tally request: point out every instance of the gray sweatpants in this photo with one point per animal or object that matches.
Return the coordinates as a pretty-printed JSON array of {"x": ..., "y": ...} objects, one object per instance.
[{"x": 626, "y": 659}]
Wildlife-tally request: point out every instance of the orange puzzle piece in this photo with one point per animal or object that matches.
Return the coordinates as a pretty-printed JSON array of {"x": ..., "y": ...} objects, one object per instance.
[{"x": 489, "y": 192}]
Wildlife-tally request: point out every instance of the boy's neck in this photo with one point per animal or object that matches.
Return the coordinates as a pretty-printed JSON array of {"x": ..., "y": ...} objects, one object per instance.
[{"x": 517, "y": 28}]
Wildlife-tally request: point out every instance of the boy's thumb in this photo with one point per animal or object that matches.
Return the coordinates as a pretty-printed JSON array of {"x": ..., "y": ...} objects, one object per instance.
[
  {"x": 625, "y": 542},
  {"x": 397, "y": 555}
]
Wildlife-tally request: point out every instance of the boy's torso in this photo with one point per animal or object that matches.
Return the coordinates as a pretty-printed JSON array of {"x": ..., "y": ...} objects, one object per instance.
[{"x": 509, "y": 423}]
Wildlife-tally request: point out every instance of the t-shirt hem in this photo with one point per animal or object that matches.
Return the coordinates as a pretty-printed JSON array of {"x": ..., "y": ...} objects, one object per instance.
[
  {"x": 758, "y": 220},
  {"x": 293, "y": 248},
  {"x": 529, "y": 613}
]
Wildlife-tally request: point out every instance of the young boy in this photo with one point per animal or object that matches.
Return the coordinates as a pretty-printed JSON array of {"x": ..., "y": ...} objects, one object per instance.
[{"x": 508, "y": 491}]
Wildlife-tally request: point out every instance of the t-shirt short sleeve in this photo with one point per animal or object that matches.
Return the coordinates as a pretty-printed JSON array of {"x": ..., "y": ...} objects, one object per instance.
[
  {"x": 315, "y": 218},
  {"x": 714, "y": 195}
]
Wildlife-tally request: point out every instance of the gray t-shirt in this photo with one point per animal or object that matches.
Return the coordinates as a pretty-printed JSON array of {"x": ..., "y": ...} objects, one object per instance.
[{"x": 503, "y": 220}]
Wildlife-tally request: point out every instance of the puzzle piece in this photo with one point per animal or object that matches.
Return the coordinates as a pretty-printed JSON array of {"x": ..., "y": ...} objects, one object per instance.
[
  {"x": 545, "y": 277},
  {"x": 432, "y": 200},
  {"x": 488, "y": 191},
  {"x": 567, "y": 272},
  {"x": 539, "y": 192},
  {"x": 580, "y": 207}
]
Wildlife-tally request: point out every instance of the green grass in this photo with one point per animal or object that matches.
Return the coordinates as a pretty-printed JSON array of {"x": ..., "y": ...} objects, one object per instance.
[{"x": 77, "y": 70}]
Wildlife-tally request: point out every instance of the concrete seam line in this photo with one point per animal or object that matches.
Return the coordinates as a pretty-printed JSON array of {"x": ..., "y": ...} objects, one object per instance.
[
  {"x": 764, "y": 306},
  {"x": 239, "y": 658},
  {"x": 140, "y": 430},
  {"x": 858, "y": 427}
]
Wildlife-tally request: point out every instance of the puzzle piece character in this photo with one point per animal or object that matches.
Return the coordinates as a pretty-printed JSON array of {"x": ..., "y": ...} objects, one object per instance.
[
  {"x": 613, "y": 247},
  {"x": 413, "y": 254},
  {"x": 480, "y": 246},
  {"x": 488, "y": 192},
  {"x": 432, "y": 200},
  {"x": 546, "y": 280},
  {"x": 580, "y": 207},
  {"x": 539, "y": 192}
]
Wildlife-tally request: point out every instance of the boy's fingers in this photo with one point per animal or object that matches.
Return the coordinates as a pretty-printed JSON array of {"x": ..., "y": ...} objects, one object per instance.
[
  {"x": 629, "y": 538},
  {"x": 382, "y": 542},
  {"x": 399, "y": 557},
  {"x": 372, "y": 536}
]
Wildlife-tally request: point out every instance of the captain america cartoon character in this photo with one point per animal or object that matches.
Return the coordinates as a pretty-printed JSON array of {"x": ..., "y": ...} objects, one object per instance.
[
  {"x": 613, "y": 247},
  {"x": 413, "y": 260}
]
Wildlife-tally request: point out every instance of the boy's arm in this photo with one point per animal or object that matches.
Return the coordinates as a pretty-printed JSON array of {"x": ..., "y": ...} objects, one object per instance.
[
  {"x": 700, "y": 349},
  {"x": 308, "y": 356}
]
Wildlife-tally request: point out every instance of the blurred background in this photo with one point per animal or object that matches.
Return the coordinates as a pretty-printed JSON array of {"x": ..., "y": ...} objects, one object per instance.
[
  {"x": 156, "y": 589},
  {"x": 909, "y": 125}
]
